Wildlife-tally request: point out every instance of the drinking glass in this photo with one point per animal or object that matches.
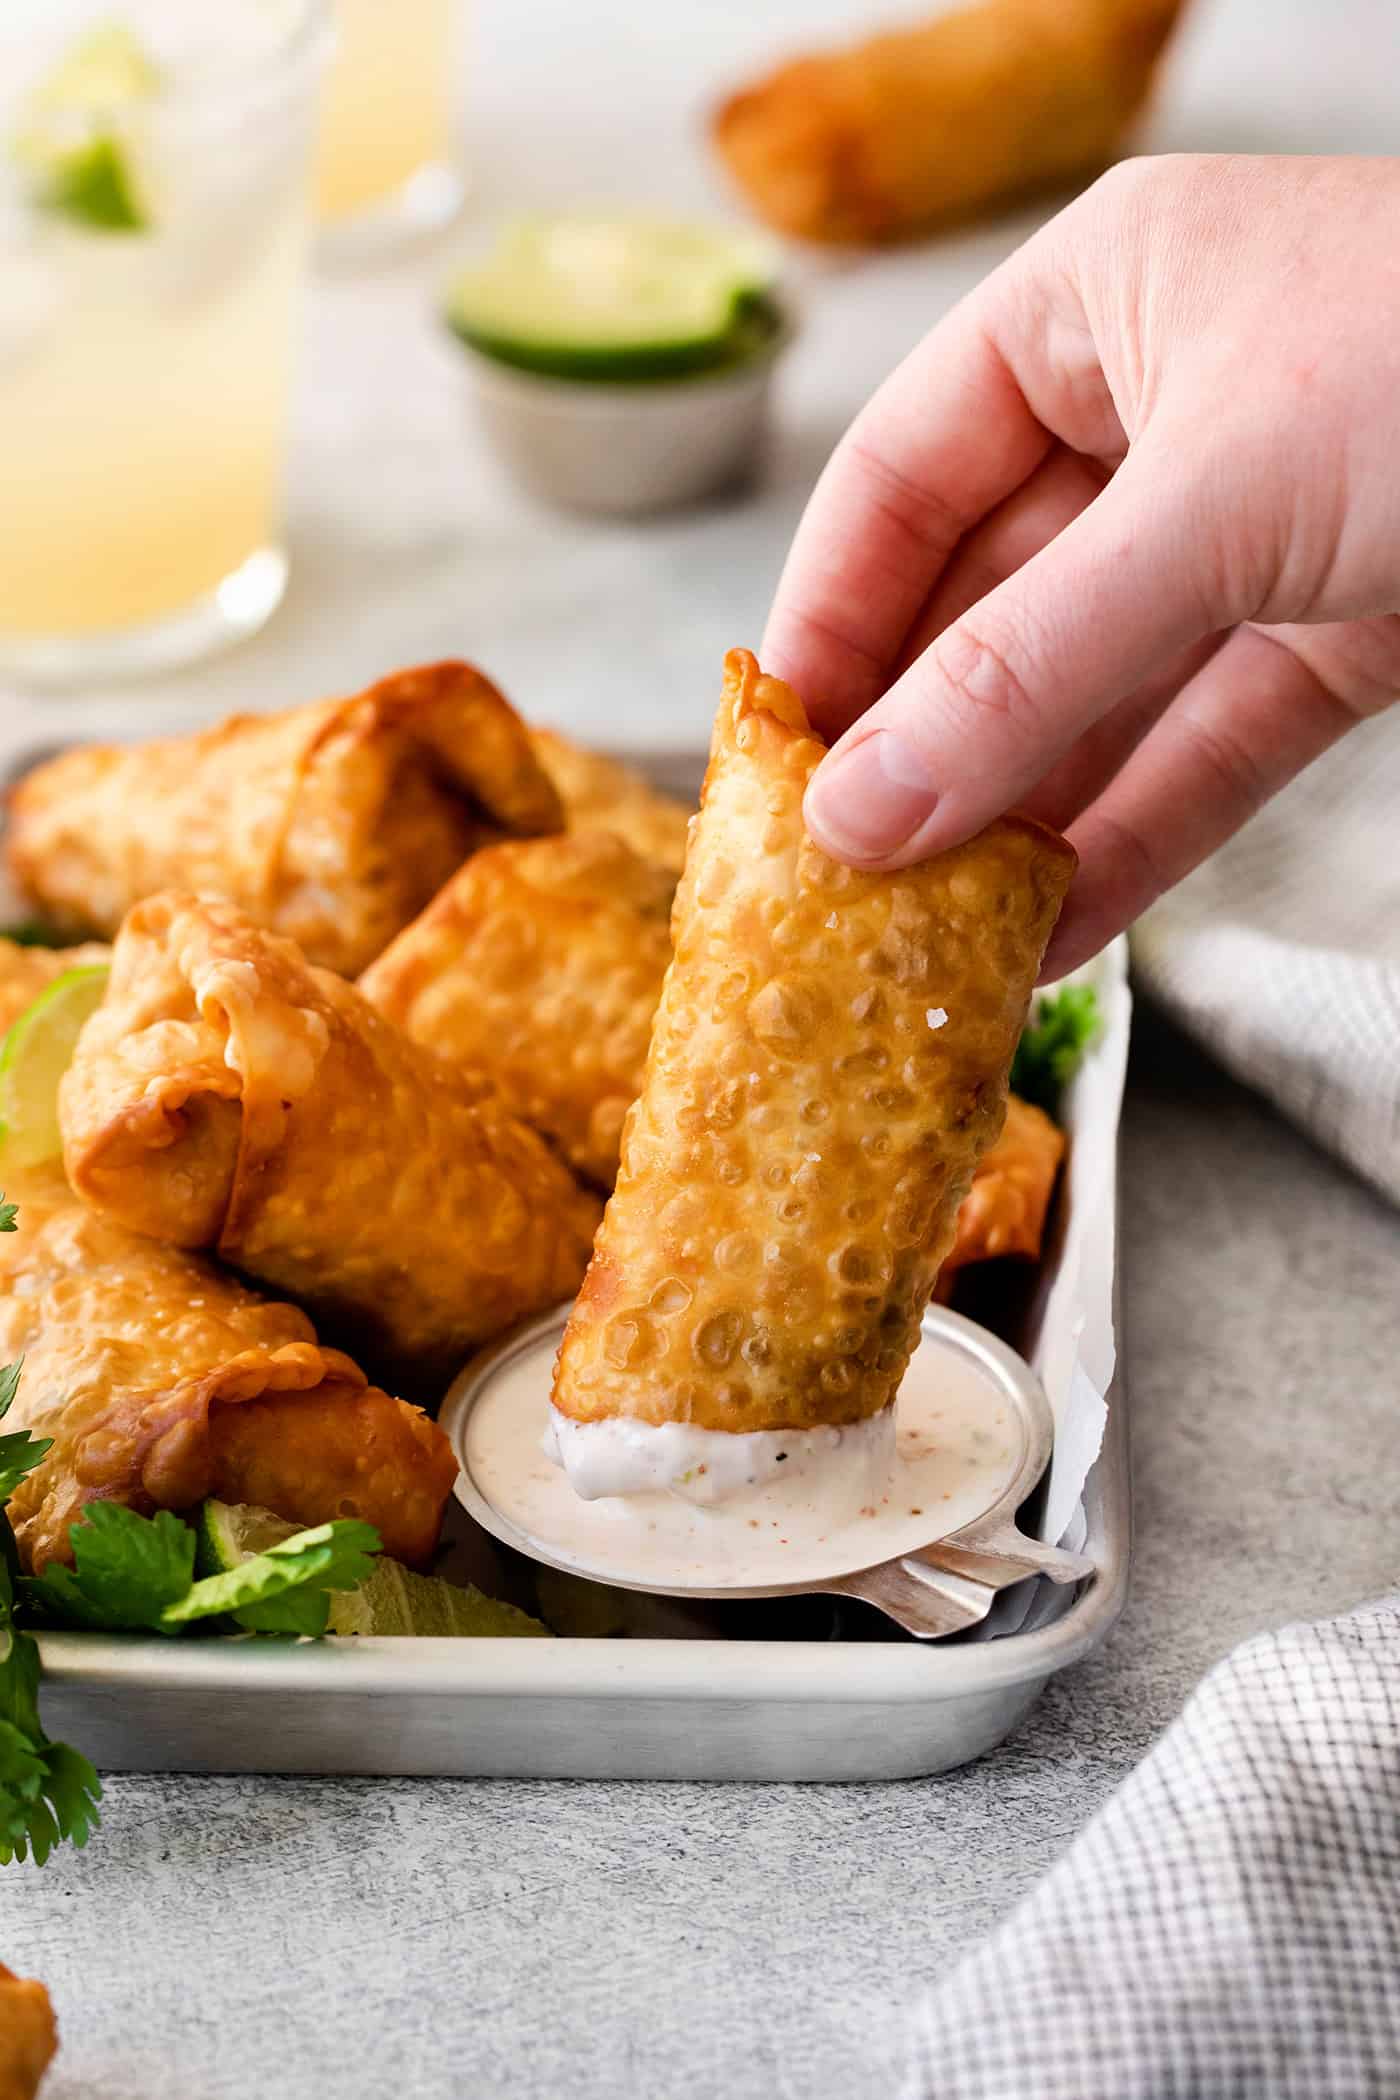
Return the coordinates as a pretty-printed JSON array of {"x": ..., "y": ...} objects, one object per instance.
[
  {"x": 386, "y": 153},
  {"x": 153, "y": 227}
]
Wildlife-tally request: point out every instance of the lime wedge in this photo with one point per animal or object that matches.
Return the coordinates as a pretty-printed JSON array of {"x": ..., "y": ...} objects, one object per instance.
[
  {"x": 70, "y": 140},
  {"x": 35, "y": 1054},
  {"x": 616, "y": 299},
  {"x": 393, "y": 1601},
  {"x": 105, "y": 68}
]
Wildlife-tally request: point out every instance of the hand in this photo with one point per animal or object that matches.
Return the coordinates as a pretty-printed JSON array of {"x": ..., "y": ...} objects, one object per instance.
[{"x": 1119, "y": 543}]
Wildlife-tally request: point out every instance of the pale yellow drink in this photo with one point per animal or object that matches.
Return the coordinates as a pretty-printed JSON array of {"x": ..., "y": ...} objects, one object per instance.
[
  {"x": 146, "y": 333},
  {"x": 142, "y": 436},
  {"x": 388, "y": 111}
]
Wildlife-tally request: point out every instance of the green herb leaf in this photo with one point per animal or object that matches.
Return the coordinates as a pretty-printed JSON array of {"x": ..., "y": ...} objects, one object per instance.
[
  {"x": 48, "y": 1792},
  {"x": 9, "y": 1213},
  {"x": 19, "y": 1454},
  {"x": 92, "y": 186},
  {"x": 284, "y": 1589},
  {"x": 126, "y": 1570},
  {"x": 1053, "y": 1044},
  {"x": 9, "y": 1384},
  {"x": 32, "y": 933}
]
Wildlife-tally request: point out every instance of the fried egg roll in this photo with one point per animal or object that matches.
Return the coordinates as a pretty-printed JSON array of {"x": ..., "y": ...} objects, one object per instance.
[
  {"x": 229, "y": 1095},
  {"x": 541, "y": 965},
  {"x": 1004, "y": 1211},
  {"x": 925, "y": 126},
  {"x": 829, "y": 1061},
  {"x": 28, "y": 2035},
  {"x": 161, "y": 1380},
  {"x": 332, "y": 823},
  {"x": 599, "y": 793},
  {"x": 26, "y": 971}
]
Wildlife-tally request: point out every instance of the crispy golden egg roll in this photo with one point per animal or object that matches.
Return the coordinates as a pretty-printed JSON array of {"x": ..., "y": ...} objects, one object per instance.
[
  {"x": 227, "y": 1094},
  {"x": 161, "y": 1380},
  {"x": 333, "y": 823},
  {"x": 829, "y": 1061},
  {"x": 541, "y": 965},
  {"x": 28, "y": 2035},
  {"x": 26, "y": 971},
  {"x": 1004, "y": 1211},
  {"x": 599, "y": 793},
  {"x": 927, "y": 125}
]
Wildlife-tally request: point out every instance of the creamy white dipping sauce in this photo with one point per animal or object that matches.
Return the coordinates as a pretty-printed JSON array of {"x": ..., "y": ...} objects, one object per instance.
[{"x": 959, "y": 1441}]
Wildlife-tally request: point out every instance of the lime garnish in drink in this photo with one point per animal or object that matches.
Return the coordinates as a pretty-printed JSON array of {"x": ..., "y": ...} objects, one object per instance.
[
  {"x": 392, "y": 1601},
  {"x": 71, "y": 139},
  {"x": 34, "y": 1055},
  {"x": 616, "y": 299}
]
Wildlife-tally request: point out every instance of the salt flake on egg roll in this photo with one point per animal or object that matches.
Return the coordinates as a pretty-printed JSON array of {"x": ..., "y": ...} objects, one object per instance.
[
  {"x": 161, "y": 1380},
  {"x": 540, "y": 964},
  {"x": 333, "y": 823},
  {"x": 828, "y": 1063},
  {"x": 229, "y": 1095}
]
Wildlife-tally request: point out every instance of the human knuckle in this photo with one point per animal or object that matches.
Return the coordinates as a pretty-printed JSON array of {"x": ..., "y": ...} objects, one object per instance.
[
  {"x": 1226, "y": 757},
  {"x": 934, "y": 522},
  {"x": 980, "y": 681}
]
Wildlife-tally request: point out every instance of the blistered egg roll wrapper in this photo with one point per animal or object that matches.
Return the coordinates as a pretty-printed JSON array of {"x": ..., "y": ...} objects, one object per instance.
[
  {"x": 922, "y": 126},
  {"x": 27, "y": 971},
  {"x": 1004, "y": 1211},
  {"x": 229, "y": 1095},
  {"x": 28, "y": 2035},
  {"x": 828, "y": 1063},
  {"x": 333, "y": 823},
  {"x": 541, "y": 965},
  {"x": 600, "y": 793},
  {"x": 162, "y": 1380}
]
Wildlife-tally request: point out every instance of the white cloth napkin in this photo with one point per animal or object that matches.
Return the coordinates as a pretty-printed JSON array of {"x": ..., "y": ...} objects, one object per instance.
[
  {"x": 1282, "y": 954},
  {"x": 1228, "y": 1926}
]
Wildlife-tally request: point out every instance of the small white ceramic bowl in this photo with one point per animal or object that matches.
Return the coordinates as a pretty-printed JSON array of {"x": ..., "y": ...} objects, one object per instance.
[{"x": 620, "y": 450}]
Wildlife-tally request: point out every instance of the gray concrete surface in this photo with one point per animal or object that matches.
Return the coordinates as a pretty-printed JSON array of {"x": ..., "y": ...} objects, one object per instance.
[{"x": 225, "y": 1938}]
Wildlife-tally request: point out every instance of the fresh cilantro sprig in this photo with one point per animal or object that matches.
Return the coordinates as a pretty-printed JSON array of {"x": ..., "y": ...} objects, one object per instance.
[
  {"x": 1053, "y": 1044},
  {"x": 92, "y": 186},
  {"x": 48, "y": 1792},
  {"x": 135, "y": 1574}
]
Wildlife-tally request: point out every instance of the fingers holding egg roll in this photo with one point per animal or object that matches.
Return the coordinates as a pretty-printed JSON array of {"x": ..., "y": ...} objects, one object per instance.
[{"x": 828, "y": 1063}]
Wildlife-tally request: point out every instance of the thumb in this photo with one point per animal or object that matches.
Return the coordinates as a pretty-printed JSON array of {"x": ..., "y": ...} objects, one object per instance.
[{"x": 1005, "y": 691}]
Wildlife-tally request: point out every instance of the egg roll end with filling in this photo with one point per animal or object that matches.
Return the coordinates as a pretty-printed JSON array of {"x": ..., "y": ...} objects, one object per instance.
[
  {"x": 161, "y": 1380},
  {"x": 828, "y": 1063}
]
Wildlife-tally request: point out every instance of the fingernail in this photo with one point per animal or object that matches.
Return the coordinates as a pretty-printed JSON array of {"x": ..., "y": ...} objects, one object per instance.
[{"x": 867, "y": 801}]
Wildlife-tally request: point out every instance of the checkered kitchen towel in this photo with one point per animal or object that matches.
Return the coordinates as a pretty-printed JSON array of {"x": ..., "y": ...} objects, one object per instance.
[
  {"x": 1282, "y": 953},
  {"x": 1228, "y": 1926}
]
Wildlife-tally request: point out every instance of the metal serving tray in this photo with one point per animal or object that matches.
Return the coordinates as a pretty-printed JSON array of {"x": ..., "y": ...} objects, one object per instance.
[{"x": 695, "y": 1708}]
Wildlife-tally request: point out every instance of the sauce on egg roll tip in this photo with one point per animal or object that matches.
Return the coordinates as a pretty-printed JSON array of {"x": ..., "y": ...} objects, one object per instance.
[{"x": 829, "y": 1062}]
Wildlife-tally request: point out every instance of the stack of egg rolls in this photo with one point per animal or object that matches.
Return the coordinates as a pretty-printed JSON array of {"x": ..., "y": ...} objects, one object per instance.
[
  {"x": 333, "y": 823},
  {"x": 230, "y": 1096}
]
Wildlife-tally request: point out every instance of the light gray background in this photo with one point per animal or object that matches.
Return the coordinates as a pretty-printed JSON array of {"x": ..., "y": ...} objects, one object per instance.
[{"x": 223, "y": 1938}]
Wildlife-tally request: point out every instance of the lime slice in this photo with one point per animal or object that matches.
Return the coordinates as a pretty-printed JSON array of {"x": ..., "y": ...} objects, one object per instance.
[
  {"x": 70, "y": 139},
  {"x": 393, "y": 1601},
  {"x": 34, "y": 1056},
  {"x": 616, "y": 299}
]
